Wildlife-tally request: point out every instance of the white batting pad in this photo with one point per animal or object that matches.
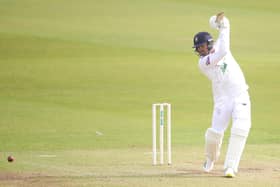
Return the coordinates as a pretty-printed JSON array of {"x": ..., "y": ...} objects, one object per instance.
[
  {"x": 235, "y": 148},
  {"x": 213, "y": 142}
]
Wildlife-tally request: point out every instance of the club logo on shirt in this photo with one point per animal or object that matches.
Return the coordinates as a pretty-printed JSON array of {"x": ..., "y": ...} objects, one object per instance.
[{"x": 223, "y": 67}]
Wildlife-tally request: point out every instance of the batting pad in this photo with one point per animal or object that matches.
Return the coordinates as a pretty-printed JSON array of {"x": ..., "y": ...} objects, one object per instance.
[
  {"x": 213, "y": 143},
  {"x": 236, "y": 146}
]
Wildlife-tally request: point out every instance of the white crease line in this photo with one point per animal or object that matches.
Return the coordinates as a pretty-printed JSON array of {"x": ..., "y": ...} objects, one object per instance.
[
  {"x": 98, "y": 133},
  {"x": 47, "y": 156}
]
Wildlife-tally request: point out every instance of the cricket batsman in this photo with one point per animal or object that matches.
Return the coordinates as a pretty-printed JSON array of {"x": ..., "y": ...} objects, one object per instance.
[{"x": 230, "y": 93}]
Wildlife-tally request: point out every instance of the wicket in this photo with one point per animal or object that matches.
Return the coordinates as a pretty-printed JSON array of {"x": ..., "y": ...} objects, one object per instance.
[{"x": 161, "y": 132}]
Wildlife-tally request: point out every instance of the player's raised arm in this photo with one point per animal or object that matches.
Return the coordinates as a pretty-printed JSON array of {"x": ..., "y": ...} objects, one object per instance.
[{"x": 221, "y": 23}]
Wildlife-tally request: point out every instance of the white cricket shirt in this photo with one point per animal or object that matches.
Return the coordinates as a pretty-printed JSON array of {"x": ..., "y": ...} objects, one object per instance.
[{"x": 221, "y": 68}]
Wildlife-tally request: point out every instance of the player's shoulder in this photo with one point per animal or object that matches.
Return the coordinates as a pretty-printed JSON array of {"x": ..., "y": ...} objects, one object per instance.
[{"x": 204, "y": 60}]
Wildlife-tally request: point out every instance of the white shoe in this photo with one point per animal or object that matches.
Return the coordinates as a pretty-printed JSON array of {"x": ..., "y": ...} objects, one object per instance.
[
  {"x": 229, "y": 173},
  {"x": 208, "y": 165}
]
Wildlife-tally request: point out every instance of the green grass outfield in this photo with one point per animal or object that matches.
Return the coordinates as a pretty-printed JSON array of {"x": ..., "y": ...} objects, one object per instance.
[{"x": 78, "y": 79}]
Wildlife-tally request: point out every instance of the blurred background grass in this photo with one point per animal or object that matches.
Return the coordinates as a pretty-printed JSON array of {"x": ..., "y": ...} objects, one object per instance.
[{"x": 72, "y": 69}]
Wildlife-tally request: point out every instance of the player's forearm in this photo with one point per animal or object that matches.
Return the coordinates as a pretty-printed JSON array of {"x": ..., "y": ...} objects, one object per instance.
[{"x": 223, "y": 47}]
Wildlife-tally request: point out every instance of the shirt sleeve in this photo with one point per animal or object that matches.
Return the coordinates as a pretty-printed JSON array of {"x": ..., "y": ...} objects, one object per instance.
[{"x": 221, "y": 47}]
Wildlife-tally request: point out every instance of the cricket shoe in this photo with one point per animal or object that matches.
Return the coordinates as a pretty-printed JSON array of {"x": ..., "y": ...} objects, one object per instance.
[
  {"x": 208, "y": 165},
  {"x": 229, "y": 173}
]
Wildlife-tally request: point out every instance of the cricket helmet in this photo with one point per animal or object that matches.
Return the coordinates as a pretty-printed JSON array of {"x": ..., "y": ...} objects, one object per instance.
[{"x": 201, "y": 38}]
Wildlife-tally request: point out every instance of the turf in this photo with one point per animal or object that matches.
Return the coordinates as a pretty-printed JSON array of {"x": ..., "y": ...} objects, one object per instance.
[{"x": 82, "y": 76}]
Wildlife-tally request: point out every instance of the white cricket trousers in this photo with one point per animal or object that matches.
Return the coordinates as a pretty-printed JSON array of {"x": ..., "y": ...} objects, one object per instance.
[{"x": 236, "y": 108}]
